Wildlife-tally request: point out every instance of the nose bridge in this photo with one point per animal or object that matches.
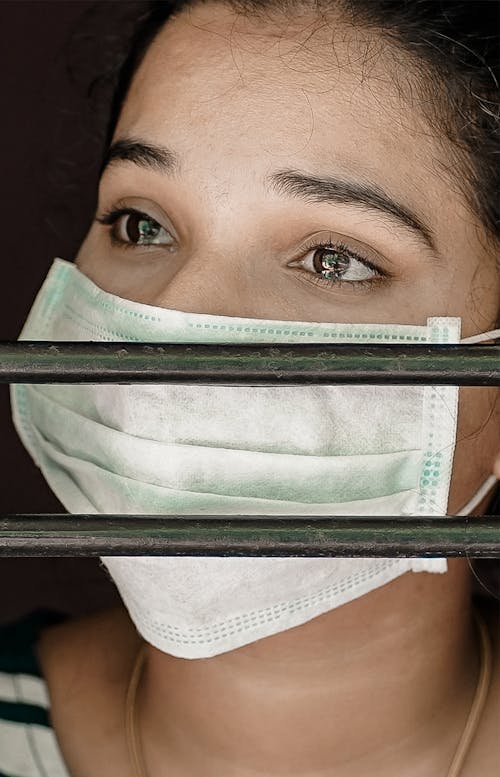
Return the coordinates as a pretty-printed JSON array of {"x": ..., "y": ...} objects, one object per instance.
[
  {"x": 212, "y": 282},
  {"x": 223, "y": 270}
]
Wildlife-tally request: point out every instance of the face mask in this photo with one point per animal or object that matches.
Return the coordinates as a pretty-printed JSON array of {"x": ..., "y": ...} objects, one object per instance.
[{"x": 223, "y": 450}]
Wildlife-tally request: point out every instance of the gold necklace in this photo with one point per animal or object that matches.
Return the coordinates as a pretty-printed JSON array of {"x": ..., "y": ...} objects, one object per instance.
[{"x": 137, "y": 759}]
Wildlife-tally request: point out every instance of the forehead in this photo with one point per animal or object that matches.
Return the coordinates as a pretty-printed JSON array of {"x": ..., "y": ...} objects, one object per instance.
[{"x": 310, "y": 91}]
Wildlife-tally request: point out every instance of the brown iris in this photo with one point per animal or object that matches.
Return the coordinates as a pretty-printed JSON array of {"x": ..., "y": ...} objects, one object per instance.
[
  {"x": 140, "y": 229},
  {"x": 330, "y": 263}
]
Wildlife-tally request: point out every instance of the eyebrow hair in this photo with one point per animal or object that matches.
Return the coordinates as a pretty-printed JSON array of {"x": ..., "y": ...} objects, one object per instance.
[
  {"x": 289, "y": 183},
  {"x": 147, "y": 155},
  {"x": 344, "y": 192}
]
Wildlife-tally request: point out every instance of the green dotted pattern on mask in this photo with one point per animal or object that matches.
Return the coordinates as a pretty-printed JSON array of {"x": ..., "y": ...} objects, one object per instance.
[
  {"x": 438, "y": 457},
  {"x": 333, "y": 333}
]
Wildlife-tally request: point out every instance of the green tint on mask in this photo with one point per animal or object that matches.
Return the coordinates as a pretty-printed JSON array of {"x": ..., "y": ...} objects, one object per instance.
[{"x": 221, "y": 450}]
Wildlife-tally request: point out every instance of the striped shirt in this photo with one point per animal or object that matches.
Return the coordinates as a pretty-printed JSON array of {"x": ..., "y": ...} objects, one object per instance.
[{"x": 28, "y": 745}]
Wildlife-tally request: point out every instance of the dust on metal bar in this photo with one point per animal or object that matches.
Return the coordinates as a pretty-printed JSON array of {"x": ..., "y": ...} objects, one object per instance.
[
  {"x": 266, "y": 364},
  {"x": 188, "y": 535}
]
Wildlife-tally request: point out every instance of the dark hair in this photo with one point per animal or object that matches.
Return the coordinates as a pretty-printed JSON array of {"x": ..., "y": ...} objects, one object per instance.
[{"x": 451, "y": 47}]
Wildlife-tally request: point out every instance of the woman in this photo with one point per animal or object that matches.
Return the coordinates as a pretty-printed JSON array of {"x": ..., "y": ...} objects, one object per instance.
[{"x": 281, "y": 163}]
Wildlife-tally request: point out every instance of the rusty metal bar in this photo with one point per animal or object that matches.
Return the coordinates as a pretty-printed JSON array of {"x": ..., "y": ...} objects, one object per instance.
[
  {"x": 187, "y": 535},
  {"x": 91, "y": 362}
]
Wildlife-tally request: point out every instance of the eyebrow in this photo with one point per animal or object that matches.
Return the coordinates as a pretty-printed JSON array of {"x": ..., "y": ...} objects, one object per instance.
[
  {"x": 341, "y": 191},
  {"x": 288, "y": 183},
  {"x": 147, "y": 155}
]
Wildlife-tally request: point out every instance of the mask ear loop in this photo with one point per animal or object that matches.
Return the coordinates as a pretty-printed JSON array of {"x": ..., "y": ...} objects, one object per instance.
[
  {"x": 465, "y": 511},
  {"x": 493, "y": 335},
  {"x": 494, "y": 594},
  {"x": 478, "y": 497}
]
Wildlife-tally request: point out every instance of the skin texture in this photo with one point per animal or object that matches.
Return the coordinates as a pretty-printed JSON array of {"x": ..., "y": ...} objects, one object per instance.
[{"x": 382, "y": 685}]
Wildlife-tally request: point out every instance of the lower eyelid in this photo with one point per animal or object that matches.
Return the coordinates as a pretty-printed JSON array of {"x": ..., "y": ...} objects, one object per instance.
[{"x": 305, "y": 276}]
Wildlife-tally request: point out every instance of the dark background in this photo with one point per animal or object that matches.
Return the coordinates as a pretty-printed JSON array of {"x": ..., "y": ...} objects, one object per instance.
[{"x": 49, "y": 164}]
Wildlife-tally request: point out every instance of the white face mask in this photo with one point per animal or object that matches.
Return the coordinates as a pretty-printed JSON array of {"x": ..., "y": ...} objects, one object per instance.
[{"x": 222, "y": 450}]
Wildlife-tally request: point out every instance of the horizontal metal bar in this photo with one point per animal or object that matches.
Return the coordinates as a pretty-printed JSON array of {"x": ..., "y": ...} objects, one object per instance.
[
  {"x": 90, "y": 362},
  {"x": 344, "y": 536}
]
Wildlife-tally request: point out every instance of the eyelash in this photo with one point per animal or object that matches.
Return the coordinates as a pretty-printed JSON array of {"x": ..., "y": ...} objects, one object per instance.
[
  {"x": 110, "y": 217},
  {"x": 319, "y": 280}
]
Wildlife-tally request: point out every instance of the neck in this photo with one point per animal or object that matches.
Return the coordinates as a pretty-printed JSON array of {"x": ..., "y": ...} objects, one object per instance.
[{"x": 372, "y": 686}]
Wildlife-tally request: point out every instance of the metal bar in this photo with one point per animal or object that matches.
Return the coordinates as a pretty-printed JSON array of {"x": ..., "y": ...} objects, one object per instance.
[
  {"x": 146, "y": 535},
  {"x": 90, "y": 362}
]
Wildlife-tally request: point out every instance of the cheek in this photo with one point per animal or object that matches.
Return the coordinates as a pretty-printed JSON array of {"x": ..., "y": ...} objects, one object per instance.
[
  {"x": 479, "y": 409},
  {"x": 88, "y": 253},
  {"x": 96, "y": 262},
  {"x": 478, "y": 442},
  {"x": 482, "y": 304}
]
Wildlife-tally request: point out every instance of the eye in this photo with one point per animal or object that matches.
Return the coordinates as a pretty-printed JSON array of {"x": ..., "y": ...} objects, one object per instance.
[
  {"x": 334, "y": 264},
  {"x": 133, "y": 228}
]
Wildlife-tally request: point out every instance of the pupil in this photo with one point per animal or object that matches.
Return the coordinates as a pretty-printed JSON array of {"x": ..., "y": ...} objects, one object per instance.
[
  {"x": 140, "y": 229},
  {"x": 331, "y": 264}
]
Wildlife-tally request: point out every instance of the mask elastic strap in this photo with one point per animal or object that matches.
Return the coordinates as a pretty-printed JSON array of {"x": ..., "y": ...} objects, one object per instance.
[
  {"x": 478, "y": 496},
  {"x": 493, "y": 335}
]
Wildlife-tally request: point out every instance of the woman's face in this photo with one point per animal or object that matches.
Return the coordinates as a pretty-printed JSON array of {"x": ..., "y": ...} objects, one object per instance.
[{"x": 268, "y": 142}]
